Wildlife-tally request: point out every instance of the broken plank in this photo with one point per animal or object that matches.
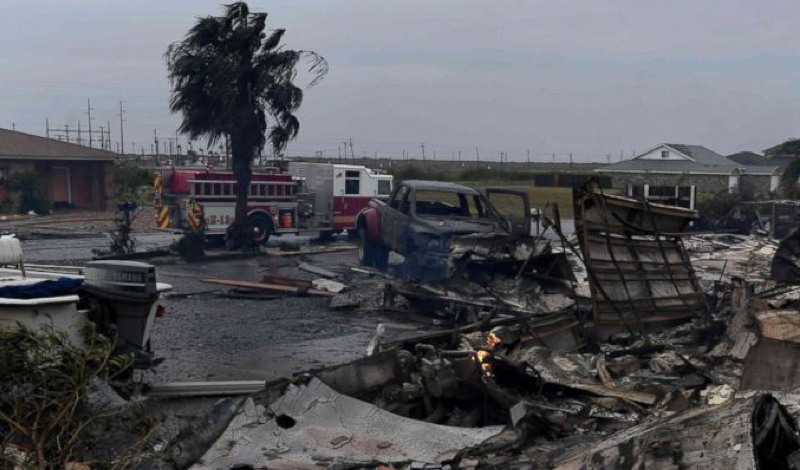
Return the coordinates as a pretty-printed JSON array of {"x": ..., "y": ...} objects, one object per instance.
[
  {"x": 638, "y": 397},
  {"x": 310, "y": 268},
  {"x": 200, "y": 389},
  {"x": 286, "y": 281},
  {"x": 311, "y": 250},
  {"x": 268, "y": 287}
]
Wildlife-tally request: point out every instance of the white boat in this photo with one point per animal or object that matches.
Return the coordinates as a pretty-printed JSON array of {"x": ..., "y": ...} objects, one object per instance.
[{"x": 120, "y": 297}]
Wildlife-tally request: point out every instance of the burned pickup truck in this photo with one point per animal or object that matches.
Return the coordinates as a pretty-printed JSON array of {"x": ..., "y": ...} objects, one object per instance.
[{"x": 421, "y": 218}]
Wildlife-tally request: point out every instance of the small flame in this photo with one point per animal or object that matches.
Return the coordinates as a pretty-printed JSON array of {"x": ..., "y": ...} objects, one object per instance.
[
  {"x": 486, "y": 367},
  {"x": 492, "y": 341}
]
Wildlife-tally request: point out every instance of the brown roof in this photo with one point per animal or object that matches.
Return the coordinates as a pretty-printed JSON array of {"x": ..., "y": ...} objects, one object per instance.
[{"x": 19, "y": 145}]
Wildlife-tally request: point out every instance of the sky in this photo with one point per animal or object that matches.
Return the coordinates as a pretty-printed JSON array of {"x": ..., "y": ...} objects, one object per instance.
[{"x": 591, "y": 78}]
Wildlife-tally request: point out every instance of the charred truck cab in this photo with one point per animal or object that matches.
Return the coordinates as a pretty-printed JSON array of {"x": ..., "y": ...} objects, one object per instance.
[{"x": 421, "y": 218}]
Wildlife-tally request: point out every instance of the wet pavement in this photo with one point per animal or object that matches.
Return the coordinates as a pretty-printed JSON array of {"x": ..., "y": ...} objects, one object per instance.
[
  {"x": 206, "y": 337},
  {"x": 203, "y": 336},
  {"x": 46, "y": 250}
]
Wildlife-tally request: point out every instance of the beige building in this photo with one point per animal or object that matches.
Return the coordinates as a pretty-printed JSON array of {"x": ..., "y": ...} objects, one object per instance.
[{"x": 81, "y": 176}]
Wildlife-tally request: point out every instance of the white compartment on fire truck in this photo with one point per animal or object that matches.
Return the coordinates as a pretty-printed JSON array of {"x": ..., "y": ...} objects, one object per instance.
[{"x": 332, "y": 195}]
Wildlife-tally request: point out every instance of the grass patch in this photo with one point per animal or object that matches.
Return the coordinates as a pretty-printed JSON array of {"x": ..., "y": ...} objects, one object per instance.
[{"x": 539, "y": 196}]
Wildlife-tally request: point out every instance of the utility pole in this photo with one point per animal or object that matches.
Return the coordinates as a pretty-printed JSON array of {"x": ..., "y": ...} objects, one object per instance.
[
  {"x": 89, "y": 114},
  {"x": 554, "y": 158},
  {"x": 345, "y": 143},
  {"x": 66, "y": 131},
  {"x": 570, "y": 159},
  {"x": 80, "y": 139},
  {"x": 529, "y": 156},
  {"x": 423, "y": 151},
  {"x": 102, "y": 138},
  {"x": 459, "y": 155},
  {"x": 121, "y": 129},
  {"x": 352, "y": 153},
  {"x": 13, "y": 126},
  {"x": 47, "y": 127},
  {"x": 108, "y": 135},
  {"x": 155, "y": 140},
  {"x": 477, "y": 155},
  {"x": 339, "y": 147}
]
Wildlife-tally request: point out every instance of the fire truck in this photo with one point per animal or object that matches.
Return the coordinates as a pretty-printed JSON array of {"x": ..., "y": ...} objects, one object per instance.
[
  {"x": 309, "y": 197},
  {"x": 332, "y": 195}
]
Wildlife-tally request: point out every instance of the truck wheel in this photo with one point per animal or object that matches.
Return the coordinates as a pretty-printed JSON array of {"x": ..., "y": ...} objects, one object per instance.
[
  {"x": 381, "y": 257},
  {"x": 262, "y": 228},
  {"x": 365, "y": 248}
]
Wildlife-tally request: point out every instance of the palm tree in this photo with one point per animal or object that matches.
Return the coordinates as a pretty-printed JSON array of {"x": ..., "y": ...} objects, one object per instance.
[{"x": 228, "y": 76}]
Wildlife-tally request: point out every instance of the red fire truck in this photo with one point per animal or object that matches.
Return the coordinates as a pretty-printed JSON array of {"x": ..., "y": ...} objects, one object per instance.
[{"x": 314, "y": 197}]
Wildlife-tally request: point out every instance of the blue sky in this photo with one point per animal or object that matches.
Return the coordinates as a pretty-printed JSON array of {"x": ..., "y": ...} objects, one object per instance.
[{"x": 589, "y": 77}]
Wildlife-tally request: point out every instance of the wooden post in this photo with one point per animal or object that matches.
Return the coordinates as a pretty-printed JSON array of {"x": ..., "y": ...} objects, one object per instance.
[{"x": 774, "y": 218}]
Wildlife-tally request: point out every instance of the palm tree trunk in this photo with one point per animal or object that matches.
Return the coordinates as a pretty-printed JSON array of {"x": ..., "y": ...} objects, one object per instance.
[{"x": 240, "y": 233}]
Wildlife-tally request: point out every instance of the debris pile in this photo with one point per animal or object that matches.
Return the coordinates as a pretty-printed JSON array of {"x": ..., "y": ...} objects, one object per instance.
[{"x": 661, "y": 366}]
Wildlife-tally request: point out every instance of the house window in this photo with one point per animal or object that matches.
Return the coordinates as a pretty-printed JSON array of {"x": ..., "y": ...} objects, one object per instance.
[
  {"x": 352, "y": 182},
  {"x": 665, "y": 154}
]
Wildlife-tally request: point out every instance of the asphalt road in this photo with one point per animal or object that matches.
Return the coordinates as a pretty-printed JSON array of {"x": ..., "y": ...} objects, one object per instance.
[
  {"x": 207, "y": 337},
  {"x": 204, "y": 336},
  {"x": 47, "y": 250}
]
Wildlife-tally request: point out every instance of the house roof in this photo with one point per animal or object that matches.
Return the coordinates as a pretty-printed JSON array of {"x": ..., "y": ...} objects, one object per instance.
[
  {"x": 753, "y": 159},
  {"x": 699, "y": 160},
  {"x": 22, "y": 146}
]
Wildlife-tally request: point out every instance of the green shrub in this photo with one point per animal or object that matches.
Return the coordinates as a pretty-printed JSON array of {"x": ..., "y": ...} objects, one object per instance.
[
  {"x": 44, "y": 383},
  {"x": 789, "y": 188},
  {"x": 725, "y": 211},
  {"x": 132, "y": 183},
  {"x": 191, "y": 246},
  {"x": 29, "y": 185}
]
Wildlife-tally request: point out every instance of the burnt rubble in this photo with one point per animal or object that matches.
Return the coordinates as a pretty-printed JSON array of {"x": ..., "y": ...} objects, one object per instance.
[{"x": 634, "y": 345}]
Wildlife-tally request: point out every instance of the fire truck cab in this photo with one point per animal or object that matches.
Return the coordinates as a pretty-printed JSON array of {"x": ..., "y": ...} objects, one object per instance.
[{"x": 332, "y": 195}]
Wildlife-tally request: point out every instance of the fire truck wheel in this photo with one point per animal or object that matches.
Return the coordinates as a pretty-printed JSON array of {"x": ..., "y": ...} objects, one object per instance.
[
  {"x": 366, "y": 250},
  {"x": 262, "y": 228}
]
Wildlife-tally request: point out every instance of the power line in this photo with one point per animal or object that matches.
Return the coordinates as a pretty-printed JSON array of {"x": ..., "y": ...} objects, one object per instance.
[
  {"x": 121, "y": 129},
  {"x": 89, "y": 117}
]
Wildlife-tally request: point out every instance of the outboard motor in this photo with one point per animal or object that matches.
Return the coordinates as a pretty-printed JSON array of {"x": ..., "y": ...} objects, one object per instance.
[{"x": 127, "y": 294}]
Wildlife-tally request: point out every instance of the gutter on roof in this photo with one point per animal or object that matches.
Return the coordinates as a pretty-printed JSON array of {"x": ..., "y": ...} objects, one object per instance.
[
  {"x": 61, "y": 157},
  {"x": 703, "y": 173}
]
